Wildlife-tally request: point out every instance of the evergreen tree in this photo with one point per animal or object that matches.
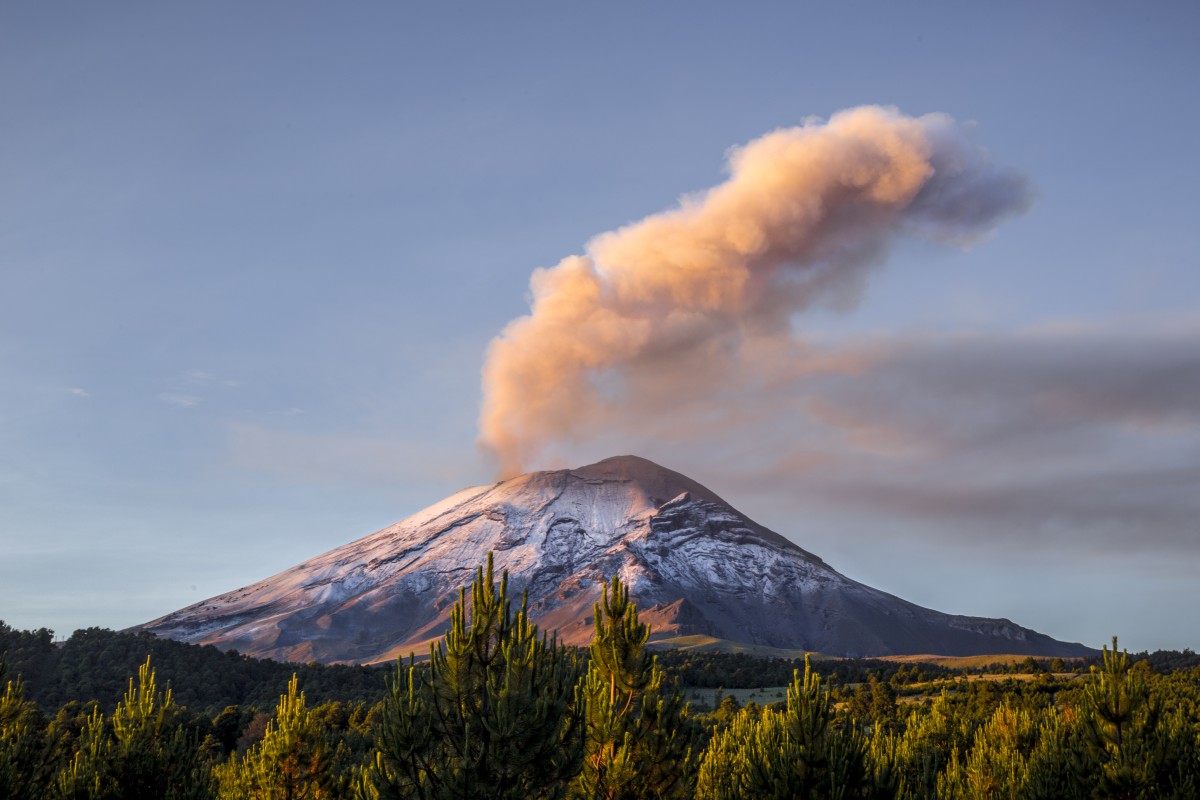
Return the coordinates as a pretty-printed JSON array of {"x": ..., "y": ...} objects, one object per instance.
[
  {"x": 28, "y": 755},
  {"x": 798, "y": 753},
  {"x": 638, "y": 742},
  {"x": 996, "y": 765},
  {"x": 292, "y": 762},
  {"x": 725, "y": 765},
  {"x": 227, "y": 728},
  {"x": 918, "y": 756},
  {"x": 142, "y": 753},
  {"x": 875, "y": 700},
  {"x": 494, "y": 715},
  {"x": 1140, "y": 752},
  {"x": 1060, "y": 766}
]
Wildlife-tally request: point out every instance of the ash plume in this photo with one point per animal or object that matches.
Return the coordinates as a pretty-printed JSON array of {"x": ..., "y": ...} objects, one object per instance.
[{"x": 677, "y": 299}]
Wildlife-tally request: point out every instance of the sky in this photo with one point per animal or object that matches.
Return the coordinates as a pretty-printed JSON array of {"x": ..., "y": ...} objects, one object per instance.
[{"x": 255, "y": 257}]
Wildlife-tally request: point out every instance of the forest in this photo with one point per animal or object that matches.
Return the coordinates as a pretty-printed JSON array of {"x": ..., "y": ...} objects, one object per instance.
[{"x": 500, "y": 710}]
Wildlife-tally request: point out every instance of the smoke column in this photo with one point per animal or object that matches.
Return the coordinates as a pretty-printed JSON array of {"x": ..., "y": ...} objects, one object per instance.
[{"x": 803, "y": 215}]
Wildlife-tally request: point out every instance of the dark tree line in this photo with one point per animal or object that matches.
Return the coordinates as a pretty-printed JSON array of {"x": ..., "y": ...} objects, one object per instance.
[
  {"x": 745, "y": 671},
  {"x": 96, "y": 663}
]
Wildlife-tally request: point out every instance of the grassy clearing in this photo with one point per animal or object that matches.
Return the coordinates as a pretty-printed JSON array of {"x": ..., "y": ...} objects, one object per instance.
[
  {"x": 703, "y": 698},
  {"x": 710, "y": 644},
  {"x": 967, "y": 662}
]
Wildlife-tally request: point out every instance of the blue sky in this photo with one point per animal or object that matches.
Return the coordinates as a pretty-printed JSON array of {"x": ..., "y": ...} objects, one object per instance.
[{"x": 251, "y": 259}]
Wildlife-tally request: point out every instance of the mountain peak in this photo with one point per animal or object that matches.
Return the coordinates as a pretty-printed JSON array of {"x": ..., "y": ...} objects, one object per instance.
[
  {"x": 693, "y": 564},
  {"x": 658, "y": 483}
]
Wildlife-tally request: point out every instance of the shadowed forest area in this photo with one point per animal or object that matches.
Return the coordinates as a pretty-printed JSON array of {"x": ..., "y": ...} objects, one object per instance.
[{"x": 500, "y": 711}]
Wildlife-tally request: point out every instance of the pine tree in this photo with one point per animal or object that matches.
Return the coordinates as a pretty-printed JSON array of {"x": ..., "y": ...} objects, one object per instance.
[
  {"x": 1140, "y": 752},
  {"x": 141, "y": 753},
  {"x": 494, "y": 715},
  {"x": 997, "y": 765},
  {"x": 920, "y": 755},
  {"x": 1060, "y": 766},
  {"x": 638, "y": 742},
  {"x": 28, "y": 755},
  {"x": 292, "y": 762},
  {"x": 798, "y": 753},
  {"x": 89, "y": 774}
]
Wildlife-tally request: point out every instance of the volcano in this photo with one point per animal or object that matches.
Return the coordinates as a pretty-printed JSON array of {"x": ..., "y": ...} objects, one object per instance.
[{"x": 694, "y": 565}]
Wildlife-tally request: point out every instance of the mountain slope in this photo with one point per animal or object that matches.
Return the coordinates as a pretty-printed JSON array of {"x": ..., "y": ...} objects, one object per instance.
[{"x": 693, "y": 564}]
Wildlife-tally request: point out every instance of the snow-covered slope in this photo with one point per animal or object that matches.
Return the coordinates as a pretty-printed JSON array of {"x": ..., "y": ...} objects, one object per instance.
[{"x": 693, "y": 564}]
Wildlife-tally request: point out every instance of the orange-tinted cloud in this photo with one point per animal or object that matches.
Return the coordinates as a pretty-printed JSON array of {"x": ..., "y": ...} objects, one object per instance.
[{"x": 673, "y": 303}]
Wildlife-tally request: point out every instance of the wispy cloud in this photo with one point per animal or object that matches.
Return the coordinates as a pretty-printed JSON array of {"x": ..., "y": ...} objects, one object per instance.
[
  {"x": 192, "y": 387},
  {"x": 181, "y": 400},
  {"x": 1087, "y": 438}
]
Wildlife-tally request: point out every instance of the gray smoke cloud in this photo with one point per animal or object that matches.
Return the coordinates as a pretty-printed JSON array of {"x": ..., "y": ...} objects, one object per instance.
[
  {"x": 667, "y": 306},
  {"x": 1073, "y": 440}
]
